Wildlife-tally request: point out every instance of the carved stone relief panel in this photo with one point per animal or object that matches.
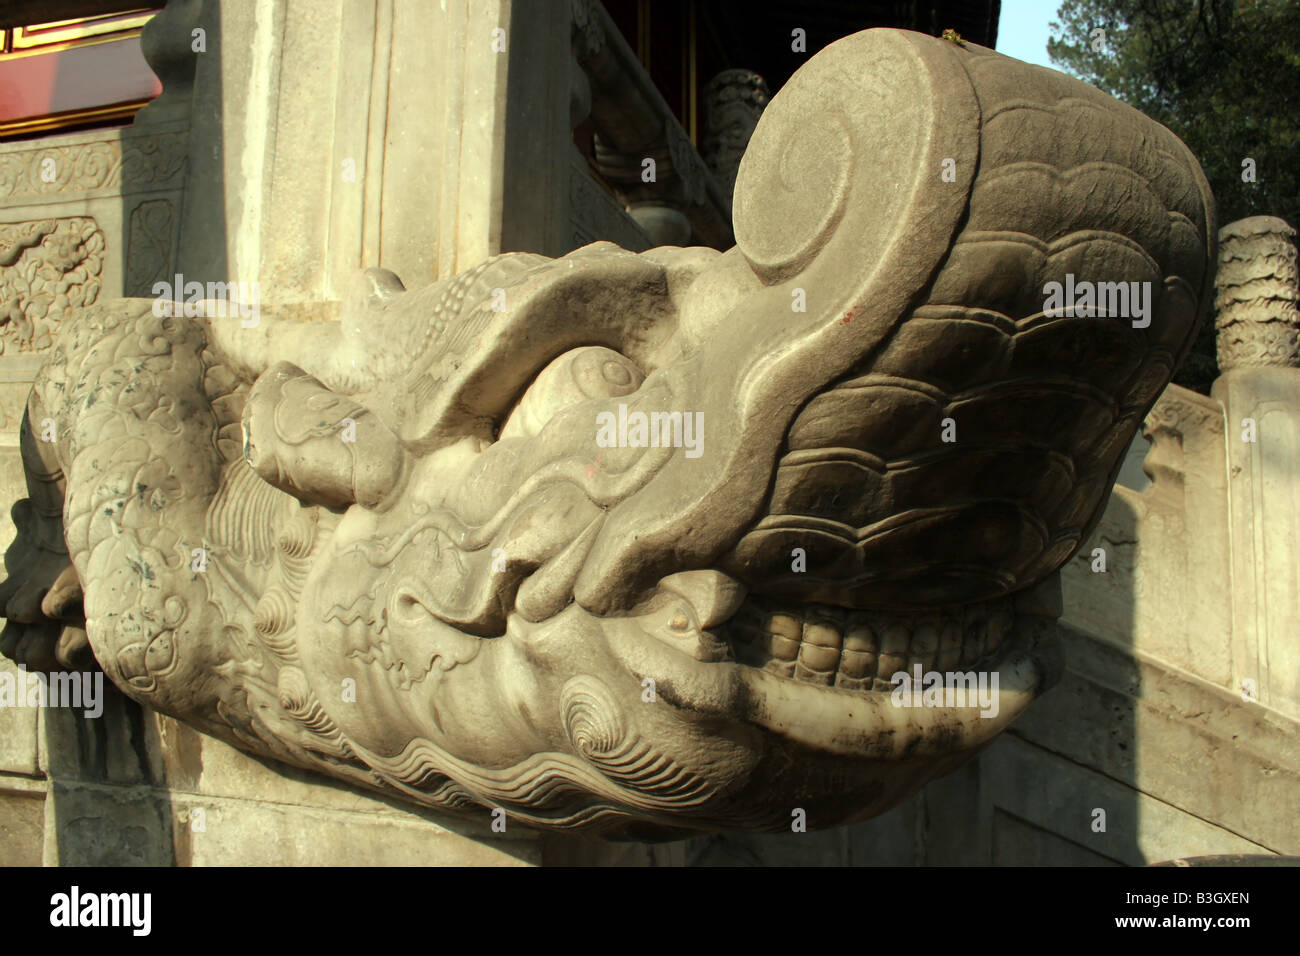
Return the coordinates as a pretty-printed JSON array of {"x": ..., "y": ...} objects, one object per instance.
[
  {"x": 118, "y": 164},
  {"x": 151, "y": 237},
  {"x": 47, "y": 268}
]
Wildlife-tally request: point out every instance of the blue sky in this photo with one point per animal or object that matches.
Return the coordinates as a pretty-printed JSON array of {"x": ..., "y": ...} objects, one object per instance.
[{"x": 1022, "y": 29}]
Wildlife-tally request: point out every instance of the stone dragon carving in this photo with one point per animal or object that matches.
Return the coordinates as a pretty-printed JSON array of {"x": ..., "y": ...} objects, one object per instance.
[{"x": 389, "y": 547}]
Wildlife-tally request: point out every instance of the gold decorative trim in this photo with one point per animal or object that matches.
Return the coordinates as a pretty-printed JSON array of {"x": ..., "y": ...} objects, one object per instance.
[
  {"x": 59, "y": 35},
  {"x": 94, "y": 114},
  {"x": 69, "y": 45}
]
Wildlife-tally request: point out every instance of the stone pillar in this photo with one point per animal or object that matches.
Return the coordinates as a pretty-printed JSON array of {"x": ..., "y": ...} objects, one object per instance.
[
  {"x": 1259, "y": 354},
  {"x": 733, "y": 102},
  {"x": 420, "y": 136}
]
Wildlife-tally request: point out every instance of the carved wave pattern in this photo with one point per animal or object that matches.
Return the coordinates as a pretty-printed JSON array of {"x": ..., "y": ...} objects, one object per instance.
[{"x": 615, "y": 776}]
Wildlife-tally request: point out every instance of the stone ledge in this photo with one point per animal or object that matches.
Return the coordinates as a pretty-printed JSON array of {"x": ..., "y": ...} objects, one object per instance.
[
  {"x": 1174, "y": 738},
  {"x": 104, "y": 824},
  {"x": 1054, "y": 794}
]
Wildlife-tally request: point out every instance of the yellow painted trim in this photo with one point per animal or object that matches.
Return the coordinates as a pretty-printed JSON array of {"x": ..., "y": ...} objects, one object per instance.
[
  {"x": 70, "y": 45},
  {"x": 53, "y": 121},
  {"x": 58, "y": 31}
]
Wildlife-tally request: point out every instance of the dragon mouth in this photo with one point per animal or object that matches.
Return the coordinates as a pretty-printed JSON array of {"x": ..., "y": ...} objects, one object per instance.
[
  {"x": 827, "y": 678},
  {"x": 862, "y": 651}
]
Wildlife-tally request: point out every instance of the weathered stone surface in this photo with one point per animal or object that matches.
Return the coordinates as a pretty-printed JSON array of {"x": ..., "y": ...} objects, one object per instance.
[
  {"x": 420, "y": 549},
  {"x": 19, "y": 750},
  {"x": 95, "y": 825},
  {"x": 22, "y": 827},
  {"x": 245, "y": 833}
]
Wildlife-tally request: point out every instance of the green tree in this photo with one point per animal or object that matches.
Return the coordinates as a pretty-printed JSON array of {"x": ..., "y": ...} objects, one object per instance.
[{"x": 1224, "y": 75}]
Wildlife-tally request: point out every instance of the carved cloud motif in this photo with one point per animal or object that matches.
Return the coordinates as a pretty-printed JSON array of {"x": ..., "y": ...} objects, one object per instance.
[{"x": 48, "y": 267}]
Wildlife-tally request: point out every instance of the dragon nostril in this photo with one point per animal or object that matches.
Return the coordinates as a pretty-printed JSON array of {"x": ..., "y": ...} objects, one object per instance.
[{"x": 409, "y": 609}]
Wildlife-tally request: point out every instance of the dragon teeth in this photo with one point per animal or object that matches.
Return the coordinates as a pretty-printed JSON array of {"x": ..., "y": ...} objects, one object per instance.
[
  {"x": 780, "y": 668},
  {"x": 824, "y": 634},
  {"x": 809, "y": 676},
  {"x": 925, "y": 645},
  {"x": 819, "y": 654},
  {"x": 860, "y": 651},
  {"x": 893, "y": 650},
  {"x": 787, "y": 633},
  {"x": 949, "y": 654},
  {"x": 972, "y": 648}
]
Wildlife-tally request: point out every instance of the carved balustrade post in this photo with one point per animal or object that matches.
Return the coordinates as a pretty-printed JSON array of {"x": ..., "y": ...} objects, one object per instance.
[{"x": 1259, "y": 353}]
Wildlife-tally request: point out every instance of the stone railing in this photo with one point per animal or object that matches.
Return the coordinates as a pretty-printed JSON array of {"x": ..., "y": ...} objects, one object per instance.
[
  {"x": 1211, "y": 544},
  {"x": 684, "y": 203}
]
